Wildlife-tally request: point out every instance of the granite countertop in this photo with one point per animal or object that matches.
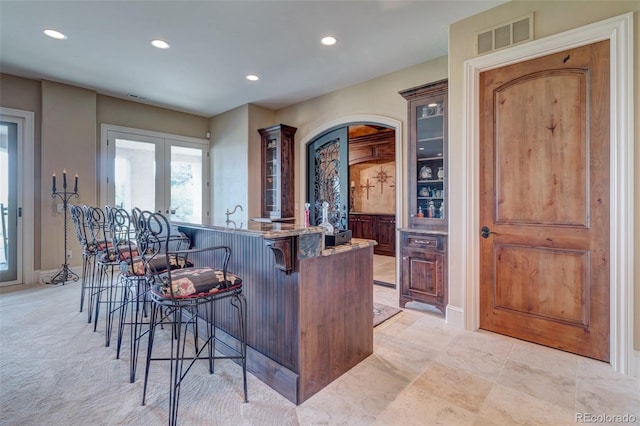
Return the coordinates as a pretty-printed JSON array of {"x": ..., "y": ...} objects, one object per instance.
[
  {"x": 268, "y": 230},
  {"x": 355, "y": 243}
]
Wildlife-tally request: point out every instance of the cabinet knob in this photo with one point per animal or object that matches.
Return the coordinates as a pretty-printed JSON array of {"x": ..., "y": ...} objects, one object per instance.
[{"x": 426, "y": 242}]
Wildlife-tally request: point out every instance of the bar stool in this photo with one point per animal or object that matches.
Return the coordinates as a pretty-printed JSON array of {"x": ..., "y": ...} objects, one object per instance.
[
  {"x": 107, "y": 266},
  {"x": 81, "y": 228},
  {"x": 131, "y": 285},
  {"x": 177, "y": 295}
]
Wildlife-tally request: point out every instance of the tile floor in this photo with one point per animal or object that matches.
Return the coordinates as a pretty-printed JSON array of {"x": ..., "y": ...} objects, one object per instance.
[{"x": 425, "y": 372}]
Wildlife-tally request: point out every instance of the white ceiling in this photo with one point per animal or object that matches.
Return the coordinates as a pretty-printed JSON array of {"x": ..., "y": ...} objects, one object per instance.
[{"x": 214, "y": 44}]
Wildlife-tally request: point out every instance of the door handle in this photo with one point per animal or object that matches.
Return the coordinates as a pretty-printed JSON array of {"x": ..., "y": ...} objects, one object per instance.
[{"x": 485, "y": 231}]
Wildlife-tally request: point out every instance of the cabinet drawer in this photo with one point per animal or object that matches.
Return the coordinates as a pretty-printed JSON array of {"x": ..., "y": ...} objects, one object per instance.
[{"x": 424, "y": 241}]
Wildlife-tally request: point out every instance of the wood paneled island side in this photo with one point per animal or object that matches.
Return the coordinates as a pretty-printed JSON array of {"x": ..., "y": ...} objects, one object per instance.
[{"x": 309, "y": 309}]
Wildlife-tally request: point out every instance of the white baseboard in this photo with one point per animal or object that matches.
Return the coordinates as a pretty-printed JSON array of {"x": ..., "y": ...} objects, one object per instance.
[
  {"x": 44, "y": 277},
  {"x": 455, "y": 316}
]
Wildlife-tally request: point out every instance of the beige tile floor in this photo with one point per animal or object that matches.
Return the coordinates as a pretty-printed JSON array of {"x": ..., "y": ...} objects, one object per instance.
[
  {"x": 422, "y": 372},
  {"x": 425, "y": 372}
]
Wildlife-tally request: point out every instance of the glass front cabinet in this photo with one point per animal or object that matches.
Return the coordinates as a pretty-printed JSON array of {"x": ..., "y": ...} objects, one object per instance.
[
  {"x": 277, "y": 172},
  {"x": 427, "y": 186},
  {"x": 423, "y": 245}
]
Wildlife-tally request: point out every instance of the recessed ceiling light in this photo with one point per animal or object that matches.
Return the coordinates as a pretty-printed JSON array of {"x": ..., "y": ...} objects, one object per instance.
[
  {"x": 160, "y": 44},
  {"x": 252, "y": 77},
  {"x": 55, "y": 34},
  {"x": 328, "y": 41}
]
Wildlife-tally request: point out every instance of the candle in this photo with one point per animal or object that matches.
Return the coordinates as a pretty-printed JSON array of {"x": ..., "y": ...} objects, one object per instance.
[
  {"x": 75, "y": 186},
  {"x": 53, "y": 178},
  {"x": 64, "y": 178}
]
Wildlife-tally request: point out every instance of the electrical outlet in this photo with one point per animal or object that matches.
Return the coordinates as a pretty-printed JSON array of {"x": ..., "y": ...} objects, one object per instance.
[
  {"x": 60, "y": 207},
  {"x": 69, "y": 254}
]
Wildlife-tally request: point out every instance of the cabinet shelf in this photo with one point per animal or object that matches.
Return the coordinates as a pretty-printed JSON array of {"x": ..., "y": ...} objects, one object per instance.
[{"x": 432, "y": 139}]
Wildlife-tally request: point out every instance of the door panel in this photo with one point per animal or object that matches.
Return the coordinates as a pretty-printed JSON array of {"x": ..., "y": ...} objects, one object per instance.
[
  {"x": 328, "y": 175},
  {"x": 10, "y": 258},
  {"x": 544, "y": 200}
]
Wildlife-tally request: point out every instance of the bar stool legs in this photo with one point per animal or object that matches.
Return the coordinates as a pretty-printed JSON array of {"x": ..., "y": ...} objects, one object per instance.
[{"x": 179, "y": 317}]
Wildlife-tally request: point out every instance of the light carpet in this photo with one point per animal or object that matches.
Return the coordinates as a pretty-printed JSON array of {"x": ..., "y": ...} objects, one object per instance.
[{"x": 54, "y": 370}]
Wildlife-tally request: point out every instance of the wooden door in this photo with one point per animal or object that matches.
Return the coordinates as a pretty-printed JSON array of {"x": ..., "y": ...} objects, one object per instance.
[{"x": 544, "y": 200}]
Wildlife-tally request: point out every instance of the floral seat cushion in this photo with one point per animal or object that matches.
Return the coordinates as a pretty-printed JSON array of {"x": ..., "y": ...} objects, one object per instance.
[
  {"x": 190, "y": 282},
  {"x": 157, "y": 265}
]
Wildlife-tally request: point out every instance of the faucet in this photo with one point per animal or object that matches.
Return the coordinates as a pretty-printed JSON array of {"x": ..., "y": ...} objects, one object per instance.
[{"x": 228, "y": 213}]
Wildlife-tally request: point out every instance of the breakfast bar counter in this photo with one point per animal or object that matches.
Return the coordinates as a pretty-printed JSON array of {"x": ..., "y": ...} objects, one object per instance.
[{"x": 309, "y": 307}]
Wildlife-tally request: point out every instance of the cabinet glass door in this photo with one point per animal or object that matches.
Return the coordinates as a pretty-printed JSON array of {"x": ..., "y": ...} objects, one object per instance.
[
  {"x": 271, "y": 177},
  {"x": 430, "y": 155}
]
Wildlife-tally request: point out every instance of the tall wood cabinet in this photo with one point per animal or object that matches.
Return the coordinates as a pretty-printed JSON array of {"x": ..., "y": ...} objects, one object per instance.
[
  {"x": 277, "y": 144},
  {"x": 424, "y": 243}
]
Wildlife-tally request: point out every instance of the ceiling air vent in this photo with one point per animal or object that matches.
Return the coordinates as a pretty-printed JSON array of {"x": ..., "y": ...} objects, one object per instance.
[{"x": 504, "y": 35}]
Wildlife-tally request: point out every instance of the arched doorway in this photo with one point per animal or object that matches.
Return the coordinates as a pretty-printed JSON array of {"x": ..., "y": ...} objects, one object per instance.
[{"x": 377, "y": 158}]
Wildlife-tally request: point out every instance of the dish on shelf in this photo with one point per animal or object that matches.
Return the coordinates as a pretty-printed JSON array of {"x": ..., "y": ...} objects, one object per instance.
[{"x": 425, "y": 172}]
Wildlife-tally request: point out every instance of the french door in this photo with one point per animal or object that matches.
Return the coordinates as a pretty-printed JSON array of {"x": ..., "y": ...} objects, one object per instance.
[
  {"x": 9, "y": 230},
  {"x": 16, "y": 196},
  {"x": 156, "y": 172}
]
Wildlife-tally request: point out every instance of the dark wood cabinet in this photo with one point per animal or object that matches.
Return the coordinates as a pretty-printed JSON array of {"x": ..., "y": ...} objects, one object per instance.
[
  {"x": 427, "y": 148},
  {"x": 277, "y": 144},
  {"x": 423, "y": 246},
  {"x": 424, "y": 269},
  {"x": 381, "y": 228}
]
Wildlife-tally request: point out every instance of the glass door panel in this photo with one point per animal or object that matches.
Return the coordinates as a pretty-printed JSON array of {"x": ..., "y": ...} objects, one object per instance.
[
  {"x": 135, "y": 175},
  {"x": 9, "y": 261},
  {"x": 186, "y": 183},
  {"x": 430, "y": 158}
]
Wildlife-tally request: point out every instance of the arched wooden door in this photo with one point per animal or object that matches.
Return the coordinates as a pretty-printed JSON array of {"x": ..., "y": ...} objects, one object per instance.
[{"x": 544, "y": 200}]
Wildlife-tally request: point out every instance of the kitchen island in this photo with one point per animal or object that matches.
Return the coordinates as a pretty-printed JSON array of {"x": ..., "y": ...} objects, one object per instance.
[{"x": 309, "y": 308}]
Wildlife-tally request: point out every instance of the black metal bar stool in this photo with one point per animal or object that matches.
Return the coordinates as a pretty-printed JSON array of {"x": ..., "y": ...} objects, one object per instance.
[
  {"x": 81, "y": 226},
  {"x": 104, "y": 290},
  {"x": 178, "y": 295}
]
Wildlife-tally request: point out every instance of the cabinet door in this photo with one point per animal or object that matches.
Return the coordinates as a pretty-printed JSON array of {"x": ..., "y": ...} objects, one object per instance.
[
  {"x": 353, "y": 226},
  {"x": 386, "y": 236},
  {"x": 423, "y": 277},
  {"x": 367, "y": 225}
]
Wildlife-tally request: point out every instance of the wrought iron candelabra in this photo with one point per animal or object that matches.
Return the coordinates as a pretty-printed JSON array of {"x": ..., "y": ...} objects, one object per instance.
[{"x": 65, "y": 273}]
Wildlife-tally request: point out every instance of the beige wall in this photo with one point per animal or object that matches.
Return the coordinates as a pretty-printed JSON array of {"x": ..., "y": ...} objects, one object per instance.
[
  {"x": 68, "y": 142},
  {"x": 229, "y": 162},
  {"x": 551, "y": 17},
  {"x": 120, "y": 112}
]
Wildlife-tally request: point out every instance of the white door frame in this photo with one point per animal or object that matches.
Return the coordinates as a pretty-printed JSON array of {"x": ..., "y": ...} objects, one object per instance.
[
  {"x": 25, "y": 122},
  {"x": 107, "y": 159},
  {"x": 619, "y": 32}
]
